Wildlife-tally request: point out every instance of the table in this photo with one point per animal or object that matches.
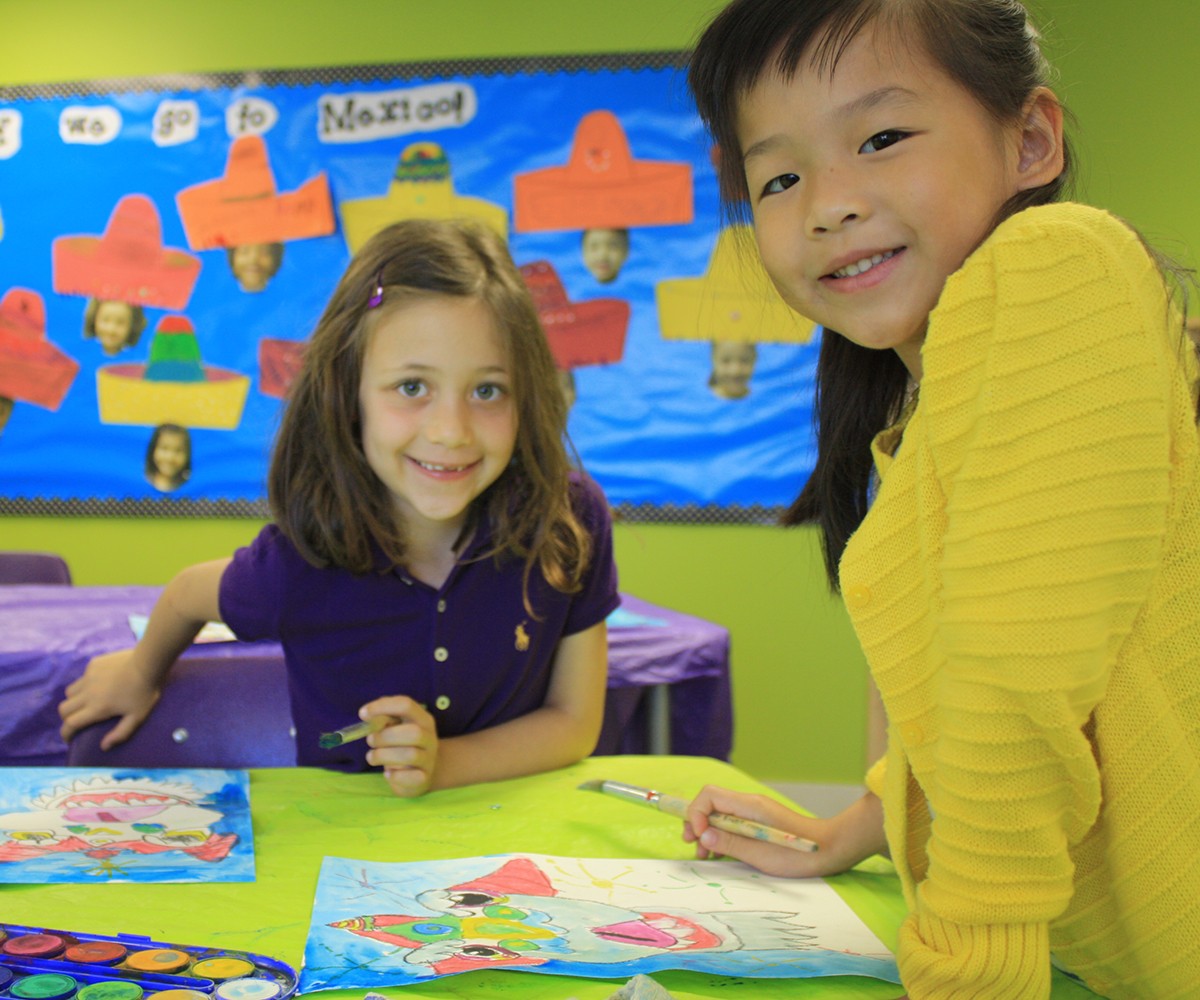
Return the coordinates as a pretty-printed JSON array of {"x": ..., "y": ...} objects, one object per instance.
[
  {"x": 668, "y": 680},
  {"x": 302, "y": 814}
]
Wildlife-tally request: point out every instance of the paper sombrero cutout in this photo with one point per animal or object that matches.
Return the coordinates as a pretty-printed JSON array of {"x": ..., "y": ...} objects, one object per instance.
[
  {"x": 128, "y": 263},
  {"x": 32, "y": 370},
  {"x": 243, "y": 206},
  {"x": 602, "y": 186},
  {"x": 580, "y": 333},
  {"x": 279, "y": 363},
  {"x": 421, "y": 188},
  {"x": 174, "y": 387},
  {"x": 733, "y": 300}
]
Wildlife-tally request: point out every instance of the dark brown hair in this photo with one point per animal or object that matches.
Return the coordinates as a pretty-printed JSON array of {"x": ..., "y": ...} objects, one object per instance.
[
  {"x": 323, "y": 493},
  {"x": 990, "y": 49}
]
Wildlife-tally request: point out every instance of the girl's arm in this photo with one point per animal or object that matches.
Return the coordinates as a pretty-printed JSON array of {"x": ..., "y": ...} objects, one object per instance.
[
  {"x": 842, "y": 840},
  {"x": 126, "y": 683},
  {"x": 563, "y": 731}
]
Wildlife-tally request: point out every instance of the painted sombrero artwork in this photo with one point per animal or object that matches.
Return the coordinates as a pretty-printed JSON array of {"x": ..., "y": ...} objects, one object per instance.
[
  {"x": 174, "y": 386},
  {"x": 602, "y": 186},
  {"x": 279, "y": 363},
  {"x": 244, "y": 206},
  {"x": 580, "y": 333},
  {"x": 32, "y": 370},
  {"x": 421, "y": 188},
  {"x": 128, "y": 263},
  {"x": 733, "y": 300}
]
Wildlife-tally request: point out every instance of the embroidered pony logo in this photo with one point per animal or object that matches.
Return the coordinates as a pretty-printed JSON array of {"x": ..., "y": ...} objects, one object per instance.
[{"x": 522, "y": 638}]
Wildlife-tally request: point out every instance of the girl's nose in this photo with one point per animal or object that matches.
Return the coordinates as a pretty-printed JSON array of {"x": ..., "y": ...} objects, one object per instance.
[
  {"x": 447, "y": 423},
  {"x": 834, "y": 202}
]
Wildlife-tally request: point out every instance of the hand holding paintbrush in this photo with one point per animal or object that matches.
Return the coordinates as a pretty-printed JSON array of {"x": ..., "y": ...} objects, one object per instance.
[{"x": 722, "y": 821}]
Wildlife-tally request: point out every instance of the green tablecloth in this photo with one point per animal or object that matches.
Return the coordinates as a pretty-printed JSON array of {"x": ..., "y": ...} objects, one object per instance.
[{"x": 301, "y": 815}]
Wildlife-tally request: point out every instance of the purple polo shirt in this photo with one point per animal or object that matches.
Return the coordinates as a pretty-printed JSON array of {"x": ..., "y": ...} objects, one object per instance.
[{"x": 468, "y": 651}]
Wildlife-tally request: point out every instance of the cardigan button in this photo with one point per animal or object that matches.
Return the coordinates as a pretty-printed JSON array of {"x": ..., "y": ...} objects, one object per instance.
[
  {"x": 858, "y": 596},
  {"x": 441, "y": 654},
  {"x": 442, "y": 703},
  {"x": 912, "y": 733}
]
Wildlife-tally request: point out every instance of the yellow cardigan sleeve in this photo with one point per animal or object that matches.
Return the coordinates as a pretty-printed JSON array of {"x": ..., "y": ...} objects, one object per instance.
[{"x": 1047, "y": 432}]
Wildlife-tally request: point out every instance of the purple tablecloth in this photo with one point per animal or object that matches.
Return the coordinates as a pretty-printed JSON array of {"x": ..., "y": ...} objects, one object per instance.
[{"x": 48, "y": 634}]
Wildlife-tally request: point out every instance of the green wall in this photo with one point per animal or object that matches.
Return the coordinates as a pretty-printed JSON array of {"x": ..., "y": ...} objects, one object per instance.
[{"x": 799, "y": 680}]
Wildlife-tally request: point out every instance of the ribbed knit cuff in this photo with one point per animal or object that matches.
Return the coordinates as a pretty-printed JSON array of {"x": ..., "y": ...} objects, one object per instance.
[{"x": 943, "y": 961}]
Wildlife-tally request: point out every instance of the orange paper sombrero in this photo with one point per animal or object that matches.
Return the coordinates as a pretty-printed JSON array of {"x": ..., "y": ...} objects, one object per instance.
[
  {"x": 733, "y": 300},
  {"x": 32, "y": 370},
  {"x": 244, "y": 207},
  {"x": 603, "y": 186},
  {"x": 128, "y": 263},
  {"x": 421, "y": 188},
  {"x": 580, "y": 333}
]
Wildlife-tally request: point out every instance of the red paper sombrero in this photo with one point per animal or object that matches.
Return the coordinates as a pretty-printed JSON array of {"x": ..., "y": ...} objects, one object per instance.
[
  {"x": 279, "y": 363},
  {"x": 32, "y": 370},
  {"x": 244, "y": 206},
  {"x": 128, "y": 263},
  {"x": 580, "y": 333},
  {"x": 602, "y": 186}
]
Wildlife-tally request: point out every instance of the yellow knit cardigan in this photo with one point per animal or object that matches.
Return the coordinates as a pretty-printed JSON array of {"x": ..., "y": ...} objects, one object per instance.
[{"x": 1026, "y": 587}]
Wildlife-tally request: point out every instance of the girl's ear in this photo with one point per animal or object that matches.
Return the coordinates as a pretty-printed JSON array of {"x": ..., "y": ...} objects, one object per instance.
[{"x": 1041, "y": 151}]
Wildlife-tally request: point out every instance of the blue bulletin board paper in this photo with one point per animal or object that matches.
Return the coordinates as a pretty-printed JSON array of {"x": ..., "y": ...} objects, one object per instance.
[{"x": 649, "y": 419}]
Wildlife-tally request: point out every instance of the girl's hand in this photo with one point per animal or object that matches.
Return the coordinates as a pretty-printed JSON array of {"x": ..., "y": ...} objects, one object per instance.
[
  {"x": 111, "y": 685},
  {"x": 407, "y": 748},
  {"x": 842, "y": 841}
]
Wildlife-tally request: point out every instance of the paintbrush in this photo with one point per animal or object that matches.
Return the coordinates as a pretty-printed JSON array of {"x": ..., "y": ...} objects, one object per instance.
[
  {"x": 678, "y": 807},
  {"x": 347, "y": 734}
]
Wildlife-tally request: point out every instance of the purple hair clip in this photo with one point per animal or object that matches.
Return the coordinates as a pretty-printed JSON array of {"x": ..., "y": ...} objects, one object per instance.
[{"x": 377, "y": 295}]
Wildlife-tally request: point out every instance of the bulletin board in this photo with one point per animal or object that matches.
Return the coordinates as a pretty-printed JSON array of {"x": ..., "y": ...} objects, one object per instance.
[{"x": 167, "y": 245}]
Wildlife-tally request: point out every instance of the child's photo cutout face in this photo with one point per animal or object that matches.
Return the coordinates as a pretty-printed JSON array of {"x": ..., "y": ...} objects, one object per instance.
[
  {"x": 255, "y": 264},
  {"x": 604, "y": 253},
  {"x": 113, "y": 325},
  {"x": 732, "y": 367},
  {"x": 170, "y": 458}
]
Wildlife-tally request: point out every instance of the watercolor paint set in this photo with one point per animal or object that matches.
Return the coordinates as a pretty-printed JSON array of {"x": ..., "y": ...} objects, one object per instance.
[{"x": 41, "y": 964}]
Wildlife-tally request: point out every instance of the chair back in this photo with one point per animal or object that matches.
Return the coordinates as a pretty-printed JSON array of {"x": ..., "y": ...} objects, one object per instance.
[
  {"x": 212, "y": 713},
  {"x": 33, "y": 567}
]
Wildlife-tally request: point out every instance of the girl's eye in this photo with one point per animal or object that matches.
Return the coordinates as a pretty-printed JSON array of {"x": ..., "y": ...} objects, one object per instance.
[
  {"x": 412, "y": 388},
  {"x": 489, "y": 391},
  {"x": 881, "y": 140},
  {"x": 780, "y": 183}
]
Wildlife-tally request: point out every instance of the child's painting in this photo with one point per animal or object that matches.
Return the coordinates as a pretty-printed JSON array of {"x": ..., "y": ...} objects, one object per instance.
[
  {"x": 125, "y": 825},
  {"x": 377, "y": 924}
]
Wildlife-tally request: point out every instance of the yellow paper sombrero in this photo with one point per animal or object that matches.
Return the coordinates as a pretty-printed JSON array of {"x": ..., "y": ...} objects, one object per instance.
[
  {"x": 174, "y": 387},
  {"x": 421, "y": 188},
  {"x": 733, "y": 300}
]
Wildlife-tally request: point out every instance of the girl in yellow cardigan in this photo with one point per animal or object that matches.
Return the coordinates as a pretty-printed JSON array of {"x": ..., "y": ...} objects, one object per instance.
[{"x": 1008, "y": 487}]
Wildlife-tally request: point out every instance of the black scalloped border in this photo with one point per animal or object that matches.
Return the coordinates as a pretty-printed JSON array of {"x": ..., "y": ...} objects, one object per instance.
[
  {"x": 643, "y": 513},
  {"x": 363, "y": 73}
]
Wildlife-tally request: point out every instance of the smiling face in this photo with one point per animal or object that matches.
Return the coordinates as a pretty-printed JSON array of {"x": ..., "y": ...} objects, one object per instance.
[
  {"x": 113, "y": 325},
  {"x": 439, "y": 422},
  {"x": 254, "y": 264},
  {"x": 604, "y": 253},
  {"x": 871, "y": 185},
  {"x": 170, "y": 454},
  {"x": 732, "y": 368}
]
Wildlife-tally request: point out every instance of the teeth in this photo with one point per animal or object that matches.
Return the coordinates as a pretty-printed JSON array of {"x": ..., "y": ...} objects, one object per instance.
[
  {"x": 858, "y": 267},
  {"x": 439, "y": 468}
]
